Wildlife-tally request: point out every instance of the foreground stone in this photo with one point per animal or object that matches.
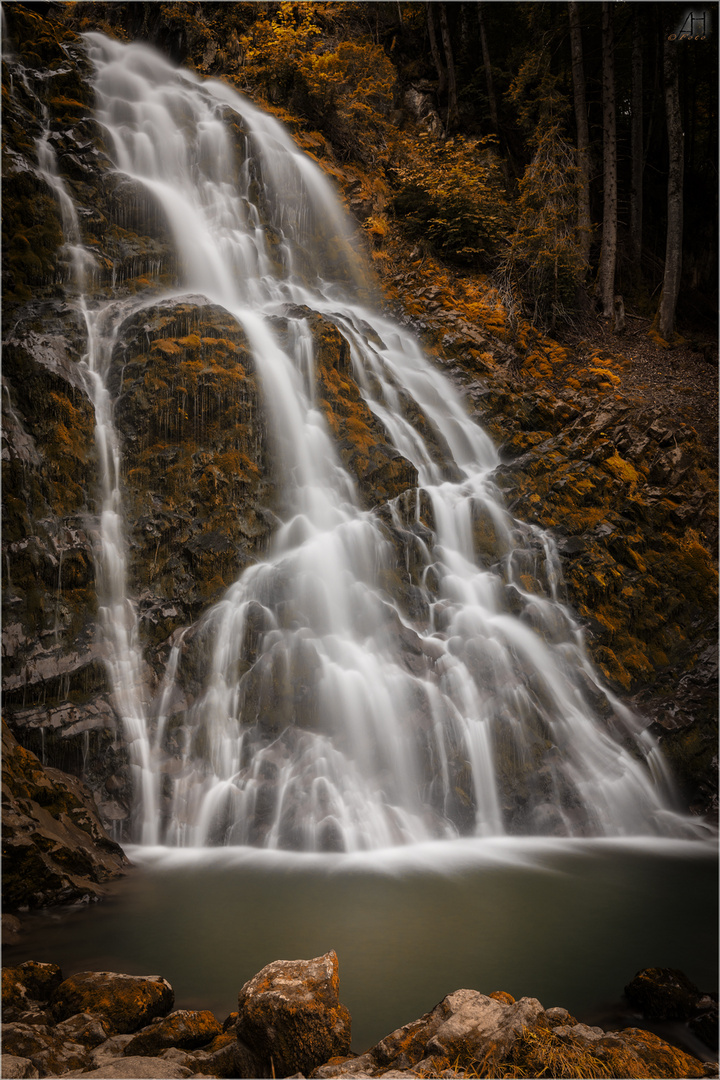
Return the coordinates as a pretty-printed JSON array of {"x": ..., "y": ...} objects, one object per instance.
[
  {"x": 290, "y": 1023},
  {"x": 125, "y": 1003},
  {"x": 668, "y": 994},
  {"x": 470, "y": 1033},
  {"x": 290, "y": 1015}
]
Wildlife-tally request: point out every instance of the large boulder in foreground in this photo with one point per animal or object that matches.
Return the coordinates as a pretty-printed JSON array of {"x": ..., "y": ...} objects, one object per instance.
[
  {"x": 290, "y": 1015},
  {"x": 125, "y": 1003}
]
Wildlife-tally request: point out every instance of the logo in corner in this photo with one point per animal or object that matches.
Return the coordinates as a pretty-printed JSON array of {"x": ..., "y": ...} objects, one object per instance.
[{"x": 694, "y": 26}]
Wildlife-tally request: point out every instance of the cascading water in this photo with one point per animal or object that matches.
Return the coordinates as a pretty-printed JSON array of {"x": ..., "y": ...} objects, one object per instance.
[
  {"x": 337, "y": 714},
  {"x": 116, "y": 613}
]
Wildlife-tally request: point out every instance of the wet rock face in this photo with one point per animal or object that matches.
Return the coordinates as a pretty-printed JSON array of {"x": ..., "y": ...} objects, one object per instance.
[
  {"x": 48, "y": 478},
  {"x": 197, "y": 474},
  {"x": 290, "y": 1016},
  {"x": 365, "y": 449},
  {"x": 637, "y": 548},
  {"x": 54, "y": 848}
]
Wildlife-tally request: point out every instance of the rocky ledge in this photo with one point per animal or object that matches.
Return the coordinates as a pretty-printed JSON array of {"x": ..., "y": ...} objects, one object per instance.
[
  {"x": 54, "y": 849},
  {"x": 290, "y": 1023}
]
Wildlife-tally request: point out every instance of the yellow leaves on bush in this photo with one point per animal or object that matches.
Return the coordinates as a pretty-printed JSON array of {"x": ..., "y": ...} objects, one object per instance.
[
  {"x": 356, "y": 79},
  {"x": 277, "y": 47},
  {"x": 352, "y": 83},
  {"x": 452, "y": 197}
]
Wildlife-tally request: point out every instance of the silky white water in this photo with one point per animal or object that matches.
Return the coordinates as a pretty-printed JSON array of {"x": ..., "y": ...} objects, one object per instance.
[{"x": 361, "y": 720}]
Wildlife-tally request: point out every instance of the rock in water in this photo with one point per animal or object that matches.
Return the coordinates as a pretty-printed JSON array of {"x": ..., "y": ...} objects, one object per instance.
[
  {"x": 668, "y": 994},
  {"x": 291, "y": 1017}
]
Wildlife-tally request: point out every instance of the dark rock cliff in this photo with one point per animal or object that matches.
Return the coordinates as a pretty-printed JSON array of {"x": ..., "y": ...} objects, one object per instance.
[{"x": 627, "y": 491}]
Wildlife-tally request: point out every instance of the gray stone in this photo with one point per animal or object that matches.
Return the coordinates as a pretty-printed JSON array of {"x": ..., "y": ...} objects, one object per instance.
[
  {"x": 17, "y": 1068},
  {"x": 83, "y": 1028},
  {"x": 579, "y": 1032},
  {"x": 109, "y": 1050},
  {"x": 478, "y": 1025},
  {"x": 136, "y": 1068},
  {"x": 290, "y": 1015}
]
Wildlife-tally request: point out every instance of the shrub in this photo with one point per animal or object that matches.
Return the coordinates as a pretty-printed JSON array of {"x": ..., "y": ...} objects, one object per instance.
[{"x": 451, "y": 195}]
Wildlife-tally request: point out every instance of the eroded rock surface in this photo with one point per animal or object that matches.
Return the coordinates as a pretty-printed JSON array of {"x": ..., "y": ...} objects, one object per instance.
[
  {"x": 55, "y": 849},
  {"x": 290, "y": 1015},
  {"x": 125, "y": 1003}
]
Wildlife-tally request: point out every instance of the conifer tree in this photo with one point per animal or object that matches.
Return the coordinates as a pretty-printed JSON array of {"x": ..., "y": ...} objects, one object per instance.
[
  {"x": 583, "y": 134},
  {"x": 674, "y": 239},
  {"x": 605, "y": 285}
]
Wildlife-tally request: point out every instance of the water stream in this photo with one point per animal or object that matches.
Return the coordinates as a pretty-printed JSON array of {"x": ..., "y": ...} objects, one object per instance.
[{"x": 388, "y": 752}]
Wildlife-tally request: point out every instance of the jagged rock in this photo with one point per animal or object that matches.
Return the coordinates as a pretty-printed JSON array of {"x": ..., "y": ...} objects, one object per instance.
[
  {"x": 185, "y": 1029},
  {"x": 27, "y": 983},
  {"x": 668, "y": 994},
  {"x": 290, "y": 1016},
  {"x": 466, "y": 1027},
  {"x": 54, "y": 848},
  {"x": 136, "y": 1068},
  {"x": 231, "y": 1059},
  {"x": 110, "y": 1050},
  {"x": 50, "y": 1053},
  {"x": 17, "y": 1068},
  {"x": 124, "y": 1003},
  {"x": 663, "y": 993}
]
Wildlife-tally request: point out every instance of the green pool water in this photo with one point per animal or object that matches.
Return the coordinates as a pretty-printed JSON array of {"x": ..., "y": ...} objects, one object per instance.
[{"x": 568, "y": 922}]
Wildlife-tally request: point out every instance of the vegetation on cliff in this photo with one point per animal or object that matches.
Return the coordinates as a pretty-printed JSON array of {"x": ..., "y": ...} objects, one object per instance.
[{"x": 469, "y": 210}]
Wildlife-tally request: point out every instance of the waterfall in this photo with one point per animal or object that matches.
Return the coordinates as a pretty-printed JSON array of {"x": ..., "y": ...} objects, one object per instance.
[
  {"x": 338, "y": 712},
  {"x": 117, "y": 616}
]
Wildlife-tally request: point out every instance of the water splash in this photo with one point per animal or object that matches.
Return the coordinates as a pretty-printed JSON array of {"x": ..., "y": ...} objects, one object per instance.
[{"x": 340, "y": 712}]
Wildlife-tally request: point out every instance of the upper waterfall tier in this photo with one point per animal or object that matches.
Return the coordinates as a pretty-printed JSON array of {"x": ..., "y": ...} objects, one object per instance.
[{"x": 399, "y": 665}]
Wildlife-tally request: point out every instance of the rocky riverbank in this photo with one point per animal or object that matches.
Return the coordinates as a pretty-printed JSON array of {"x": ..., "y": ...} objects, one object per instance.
[{"x": 290, "y": 1022}]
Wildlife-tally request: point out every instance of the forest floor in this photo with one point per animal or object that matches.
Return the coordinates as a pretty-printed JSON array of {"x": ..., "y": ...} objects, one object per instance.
[{"x": 681, "y": 380}]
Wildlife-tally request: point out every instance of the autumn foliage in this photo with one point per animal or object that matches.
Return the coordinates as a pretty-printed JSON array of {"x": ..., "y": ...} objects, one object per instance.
[{"x": 451, "y": 195}]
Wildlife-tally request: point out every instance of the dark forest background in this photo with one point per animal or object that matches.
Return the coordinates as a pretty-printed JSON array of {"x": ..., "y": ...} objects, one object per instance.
[{"x": 568, "y": 149}]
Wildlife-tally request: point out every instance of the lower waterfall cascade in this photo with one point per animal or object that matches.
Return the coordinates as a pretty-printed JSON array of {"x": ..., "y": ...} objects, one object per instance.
[{"x": 376, "y": 679}]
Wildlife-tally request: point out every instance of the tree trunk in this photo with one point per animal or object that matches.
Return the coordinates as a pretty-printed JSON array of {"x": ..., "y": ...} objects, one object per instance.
[
  {"x": 436, "y": 55},
  {"x": 605, "y": 287},
  {"x": 452, "y": 113},
  {"x": 636, "y": 149},
  {"x": 488, "y": 71},
  {"x": 673, "y": 246},
  {"x": 505, "y": 156},
  {"x": 583, "y": 134}
]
